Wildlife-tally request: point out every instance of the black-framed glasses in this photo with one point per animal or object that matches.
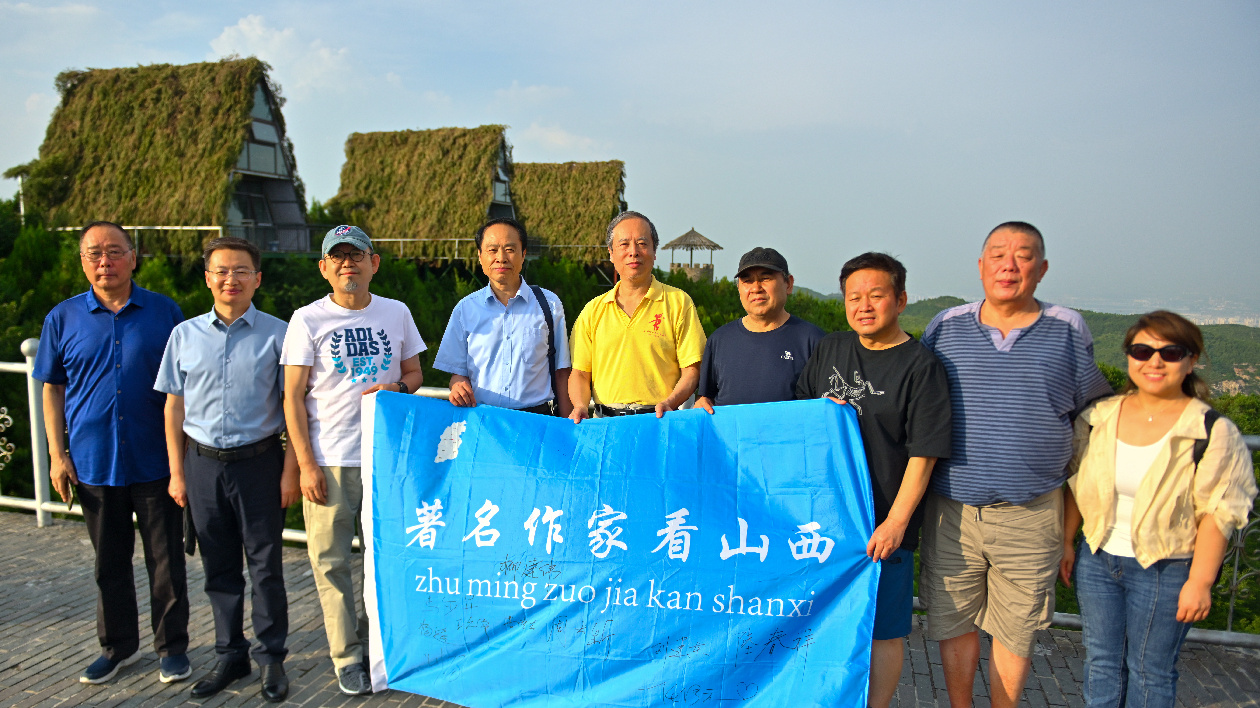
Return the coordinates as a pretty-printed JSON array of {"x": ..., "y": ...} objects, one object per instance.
[
  {"x": 1170, "y": 353},
  {"x": 341, "y": 256},
  {"x": 238, "y": 273},
  {"x": 113, "y": 254}
]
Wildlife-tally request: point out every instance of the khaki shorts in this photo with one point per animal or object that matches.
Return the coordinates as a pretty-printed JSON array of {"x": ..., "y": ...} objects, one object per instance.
[{"x": 991, "y": 567}]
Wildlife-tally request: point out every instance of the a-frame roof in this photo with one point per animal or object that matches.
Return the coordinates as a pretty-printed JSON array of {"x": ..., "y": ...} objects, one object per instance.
[
  {"x": 146, "y": 145},
  {"x": 422, "y": 184},
  {"x": 570, "y": 203}
]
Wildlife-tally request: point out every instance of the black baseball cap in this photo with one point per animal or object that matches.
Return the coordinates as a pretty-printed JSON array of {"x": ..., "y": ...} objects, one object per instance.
[{"x": 767, "y": 258}]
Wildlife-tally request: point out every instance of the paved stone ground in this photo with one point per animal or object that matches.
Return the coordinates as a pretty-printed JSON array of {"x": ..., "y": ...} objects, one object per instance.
[{"x": 48, "y": 636}]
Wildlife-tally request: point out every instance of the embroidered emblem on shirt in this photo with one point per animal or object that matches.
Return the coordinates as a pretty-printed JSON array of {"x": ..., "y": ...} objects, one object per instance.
[
  {"x": 787, "y": 355},
  {"x": 656, "y": 323},
  {"x": 852, "y": 394}
]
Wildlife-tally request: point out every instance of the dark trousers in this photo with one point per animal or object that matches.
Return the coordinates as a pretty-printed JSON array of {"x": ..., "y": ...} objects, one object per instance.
[
  {"x": 107, "y": 511},
  {"x": 235, "y": 506}
]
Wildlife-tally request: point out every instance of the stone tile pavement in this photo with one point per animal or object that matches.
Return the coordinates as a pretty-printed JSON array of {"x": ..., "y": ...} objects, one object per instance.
[{"x": 48, "y": 636}]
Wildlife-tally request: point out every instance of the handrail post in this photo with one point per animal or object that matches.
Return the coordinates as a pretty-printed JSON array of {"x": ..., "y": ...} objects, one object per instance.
[{"x": 39, "y": 443}]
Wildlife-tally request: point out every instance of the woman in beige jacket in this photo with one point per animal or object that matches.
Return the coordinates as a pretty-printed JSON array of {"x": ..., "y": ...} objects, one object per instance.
[{"x": 1156, "y": 522}]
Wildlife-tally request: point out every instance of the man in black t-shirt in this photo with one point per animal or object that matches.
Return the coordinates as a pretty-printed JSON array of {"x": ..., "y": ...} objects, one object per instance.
[
  {"x": 900, "y": 393},
  {"x": 757, "y": 358}
]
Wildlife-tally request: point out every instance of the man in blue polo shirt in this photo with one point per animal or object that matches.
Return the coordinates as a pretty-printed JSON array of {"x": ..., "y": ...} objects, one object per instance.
[
  {"x": 98, "y": 358},
  {"x": 500, "y": 347},
  {"x": 1019, "y": 370},
  {"x": 224, "y": 414}
]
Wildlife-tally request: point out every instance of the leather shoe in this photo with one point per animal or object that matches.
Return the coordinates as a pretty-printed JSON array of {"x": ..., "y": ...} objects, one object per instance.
[
  {"x": 220, "y": 676},
  {"x": 275, "y": 685}
]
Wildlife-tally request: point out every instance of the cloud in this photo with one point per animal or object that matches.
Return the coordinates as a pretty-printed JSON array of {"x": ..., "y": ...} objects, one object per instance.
[
  {"x": 70, "y": 11},
  {"x": 301, "y": 67},
  {"x": 556, "y": 138},
  {"x": 40, "y": 104},
  {"x": 517, "y": 95}
]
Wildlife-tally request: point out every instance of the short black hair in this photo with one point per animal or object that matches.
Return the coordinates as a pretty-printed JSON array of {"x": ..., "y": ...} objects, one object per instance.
[
  {"x": 1021, "y": 227},
  {"x": 876, "y": 261},
  {"x": 520, "y": 230},
  {"x": 111, "y": 225},
  {"x": 231, "y": 243}
]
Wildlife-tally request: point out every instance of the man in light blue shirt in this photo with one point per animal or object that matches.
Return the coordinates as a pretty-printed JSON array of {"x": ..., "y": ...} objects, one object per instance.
[
  {"x": 503, "y": 345},
  {"x": 222, "y": 378}
]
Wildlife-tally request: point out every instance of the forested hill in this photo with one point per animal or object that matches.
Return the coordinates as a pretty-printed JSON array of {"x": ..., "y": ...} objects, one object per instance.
[{"x": 1232, "y": 364}]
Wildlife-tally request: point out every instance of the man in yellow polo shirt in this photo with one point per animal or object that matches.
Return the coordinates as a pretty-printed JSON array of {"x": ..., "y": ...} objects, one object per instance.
[{"x": 639, "y": 345}]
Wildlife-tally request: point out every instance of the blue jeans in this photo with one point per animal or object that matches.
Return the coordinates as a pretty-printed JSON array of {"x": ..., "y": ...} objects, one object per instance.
[{"x": 1131, "y": 633}]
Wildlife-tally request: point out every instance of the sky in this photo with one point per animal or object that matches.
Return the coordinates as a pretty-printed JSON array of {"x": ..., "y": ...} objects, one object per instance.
[{"x": 1128, "y": 132}]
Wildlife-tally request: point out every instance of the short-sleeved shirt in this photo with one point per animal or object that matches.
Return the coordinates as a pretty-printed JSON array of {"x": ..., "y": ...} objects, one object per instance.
[
  {"x": 349, "y": 351},
  {"x": 229, "y": 376},
  {"x": 1014, "y": 401},
  {"x": 740, "y": 366},
  {"x": 503, "y": 350},
  {"x": 108, "y": 362},
  {"x": 901, "y": 396},
  {"x": 637, "y": 360}
]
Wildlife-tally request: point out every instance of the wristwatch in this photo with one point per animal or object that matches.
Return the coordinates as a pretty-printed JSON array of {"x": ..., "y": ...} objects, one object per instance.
[{"x": 402, "y": 387}]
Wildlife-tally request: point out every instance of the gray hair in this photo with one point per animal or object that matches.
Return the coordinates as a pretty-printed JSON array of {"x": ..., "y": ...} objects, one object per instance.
[{"x": 656, "y": 241}]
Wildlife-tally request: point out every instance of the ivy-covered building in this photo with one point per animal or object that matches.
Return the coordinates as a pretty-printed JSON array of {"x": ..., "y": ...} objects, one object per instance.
[
  {"x": 424, "y": 193},
  {"x": 164, "y": 146},
  {"x": 566, "y": 207}
]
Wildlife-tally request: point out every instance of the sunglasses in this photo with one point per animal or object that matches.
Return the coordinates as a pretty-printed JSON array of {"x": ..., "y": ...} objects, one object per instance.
[{"x": 1171, "y": 353}]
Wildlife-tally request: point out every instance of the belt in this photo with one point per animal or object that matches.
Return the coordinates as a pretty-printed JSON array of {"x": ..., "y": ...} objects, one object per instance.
[
  {"x": 543, "y": 408},
  {"x": 235, "y": 454},
  {"x": 609, "y": 411}
]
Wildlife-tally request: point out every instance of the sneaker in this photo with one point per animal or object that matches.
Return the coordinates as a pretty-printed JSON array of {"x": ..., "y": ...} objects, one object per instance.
[
  {"x": 353, "y": 680},
  {"x": 174, "y": 668},
  {"x": 104, "y": 668}
]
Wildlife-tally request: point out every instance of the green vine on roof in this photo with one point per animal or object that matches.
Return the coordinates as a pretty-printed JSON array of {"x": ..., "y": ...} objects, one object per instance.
[{"x": 151, "y": 145}]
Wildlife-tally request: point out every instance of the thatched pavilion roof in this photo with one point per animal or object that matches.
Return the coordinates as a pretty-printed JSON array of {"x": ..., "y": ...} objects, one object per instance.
[
  {"x": 692, "y": 241},
  {"x": 569, "y": 204},
  {"x": 422, "y": 184},
  {"x": 145, "y": 145}
]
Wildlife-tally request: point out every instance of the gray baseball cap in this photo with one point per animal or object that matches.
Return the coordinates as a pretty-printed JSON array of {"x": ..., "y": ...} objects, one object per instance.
[{"x": 345, "y": 233}]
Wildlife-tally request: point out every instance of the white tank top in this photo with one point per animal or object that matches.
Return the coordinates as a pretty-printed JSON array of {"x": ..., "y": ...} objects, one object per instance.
[{"x": 1132, "y": 464}]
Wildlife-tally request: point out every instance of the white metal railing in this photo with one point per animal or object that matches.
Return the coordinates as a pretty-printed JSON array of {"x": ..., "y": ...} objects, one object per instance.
[
  {"x": 42, "y": 504},
  {"x": 1243, "y": 565}
]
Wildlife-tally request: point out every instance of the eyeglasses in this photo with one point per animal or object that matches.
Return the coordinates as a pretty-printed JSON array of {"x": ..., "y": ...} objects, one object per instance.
[
  {"x": 341, "y": 256},
  {"x": 238, "y": 273},
  {"x": 1170, "y": 353},
  {"x": 112, "y": 254}
]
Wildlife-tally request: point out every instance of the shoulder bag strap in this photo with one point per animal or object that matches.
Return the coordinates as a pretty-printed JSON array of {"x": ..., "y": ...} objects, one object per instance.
[{"x": 551, "y": 340}]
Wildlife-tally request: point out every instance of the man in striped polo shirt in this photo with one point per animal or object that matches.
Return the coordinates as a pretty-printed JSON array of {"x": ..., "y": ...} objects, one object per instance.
[{"x": 1019, "y": 370}]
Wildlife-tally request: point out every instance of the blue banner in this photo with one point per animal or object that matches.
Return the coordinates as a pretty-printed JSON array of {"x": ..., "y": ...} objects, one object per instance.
[{"x": 518, "y": 559}]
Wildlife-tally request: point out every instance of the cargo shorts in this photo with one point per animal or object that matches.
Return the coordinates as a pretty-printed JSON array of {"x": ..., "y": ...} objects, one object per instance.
[{"x": 991, "y": 567}]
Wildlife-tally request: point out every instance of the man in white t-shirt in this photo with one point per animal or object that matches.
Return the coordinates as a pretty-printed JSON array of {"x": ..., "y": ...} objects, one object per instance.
[{"x": 337, "y": 350}]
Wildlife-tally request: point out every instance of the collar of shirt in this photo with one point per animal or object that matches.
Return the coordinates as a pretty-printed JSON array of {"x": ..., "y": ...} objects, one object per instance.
[
  {"x": 1004, "y": 344},
  {"x": 137, "y": 299},
  {"x": 211, "y": 318},
  {"x": 655, "y": 292},
  {"x": 523, "y": 293}
]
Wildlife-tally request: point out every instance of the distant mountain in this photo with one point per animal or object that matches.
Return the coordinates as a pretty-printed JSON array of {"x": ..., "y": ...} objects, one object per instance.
[
  {"x": 1232, "y": 364},
  {"x": 802, "y": 290}
]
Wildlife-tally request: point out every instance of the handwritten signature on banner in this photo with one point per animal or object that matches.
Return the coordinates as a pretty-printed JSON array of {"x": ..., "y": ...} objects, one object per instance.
[{"x": 551, "y": 560}]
